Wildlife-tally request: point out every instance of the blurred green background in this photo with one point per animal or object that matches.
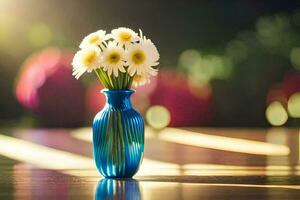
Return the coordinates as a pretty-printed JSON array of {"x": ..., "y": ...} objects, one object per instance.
[{"x": 239, "y": 61}]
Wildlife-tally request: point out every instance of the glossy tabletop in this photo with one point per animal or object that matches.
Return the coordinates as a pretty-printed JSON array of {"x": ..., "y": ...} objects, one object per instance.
[{"x": 185, "y": 163}]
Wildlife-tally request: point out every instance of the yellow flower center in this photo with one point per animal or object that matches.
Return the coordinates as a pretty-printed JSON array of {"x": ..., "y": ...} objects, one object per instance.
[
  {"x": 113, "y": 57},
  {"x": 125, "y": 36},
  {"x": 138, "y": 57},
  {"x": 94, "y": 39},
  {"x": 89, "y": 58},
  {"x": 137, "y": 78}
]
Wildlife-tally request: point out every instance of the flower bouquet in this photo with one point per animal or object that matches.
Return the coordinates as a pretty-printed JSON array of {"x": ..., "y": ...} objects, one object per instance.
[{"x": 120, "y": 59}]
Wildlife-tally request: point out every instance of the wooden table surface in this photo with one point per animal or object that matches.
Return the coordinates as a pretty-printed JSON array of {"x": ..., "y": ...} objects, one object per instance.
[{"x": 187, "y": 163}]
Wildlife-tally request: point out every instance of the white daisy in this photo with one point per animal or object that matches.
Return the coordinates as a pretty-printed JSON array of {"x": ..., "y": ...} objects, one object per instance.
[
  {"x": 141, "y": 57},
  {"x": 139, "y": 80},
  {"x": 113, "y": 59},
  {"x": 94, "y": 39},
  {"x": 124, "y": 36},
  {"x": 86, "y": 59}
]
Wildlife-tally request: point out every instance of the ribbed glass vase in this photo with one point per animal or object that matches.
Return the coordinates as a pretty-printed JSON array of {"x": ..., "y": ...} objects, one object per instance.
[{"x": 118, "y": 136}]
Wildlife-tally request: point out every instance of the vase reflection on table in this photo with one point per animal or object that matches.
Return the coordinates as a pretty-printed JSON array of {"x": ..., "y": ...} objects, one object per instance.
[
  {"x": 118, "y": 189},
  {"x": 118, "y": 136}
]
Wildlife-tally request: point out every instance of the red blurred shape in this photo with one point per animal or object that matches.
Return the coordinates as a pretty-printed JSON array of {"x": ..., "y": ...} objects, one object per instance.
[
  {"x": 188, "y": 105},
  {"x": 286, "y": 88},
  {"x": 46, "y": 87},
  {"x": 94, "y": 99},
  {"x": 291, "y": 83},
  {"x": 276, "y": 94}
]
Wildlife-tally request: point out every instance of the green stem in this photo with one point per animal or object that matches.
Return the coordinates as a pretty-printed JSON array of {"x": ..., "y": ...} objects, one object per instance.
[
  {"x": 123, "y": 80},
  {"x": 129, "y": 82},
  {"x": 105, "y": 75},
  {"x": 101, "y": 79},
  {"x": 120, "y": 81},
  {"x": 115, "y": 81},
  {"x": 110, "y": 80}
]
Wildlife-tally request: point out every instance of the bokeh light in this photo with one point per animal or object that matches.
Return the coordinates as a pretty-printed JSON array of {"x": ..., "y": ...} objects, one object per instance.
[
  {"x": 45, "y": 86},
  {"x": 158, "y": 116},
  {"x": 295, "y": 57},
  {"x": 248, "y": 57},
  {"x": 270, "y": 30},
  {"x": 236, "y": 50},
  {"x": 276, "y": 114},
  {"x": 5, "y": 29},
  {"x": 188, "y": 58},
  {"x": 204, "y": 68},
  {"x": 188, "y": 104},
  {"x": 39, "y": 35},
  {"x": 140, "y": 99},
  {"x": 294, "y": 105}
]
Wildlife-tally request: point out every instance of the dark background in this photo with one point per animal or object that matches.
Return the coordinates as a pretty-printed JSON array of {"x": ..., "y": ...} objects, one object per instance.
[{"x": 257, "y": 37}]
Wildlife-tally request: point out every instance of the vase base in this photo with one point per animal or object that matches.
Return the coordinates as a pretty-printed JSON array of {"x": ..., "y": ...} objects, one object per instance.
[{"x": 117, "y": 177}]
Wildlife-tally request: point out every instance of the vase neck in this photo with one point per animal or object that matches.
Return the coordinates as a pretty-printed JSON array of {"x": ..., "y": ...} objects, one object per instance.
[{"x": 119, "y": 99}]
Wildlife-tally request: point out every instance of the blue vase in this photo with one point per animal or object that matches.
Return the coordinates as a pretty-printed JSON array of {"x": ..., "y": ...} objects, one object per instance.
[{"x": 118, "y": 136}]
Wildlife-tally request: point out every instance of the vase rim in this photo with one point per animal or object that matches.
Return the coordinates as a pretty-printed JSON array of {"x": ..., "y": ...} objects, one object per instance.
[{"x": 117, "y": 91}]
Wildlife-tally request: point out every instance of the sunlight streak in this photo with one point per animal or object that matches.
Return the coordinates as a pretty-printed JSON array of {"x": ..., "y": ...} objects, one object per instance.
[
  {"x": 202, "y": 140},
  {"x": 82, "y": 166},
  {"x": 222, "y": 143}
]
